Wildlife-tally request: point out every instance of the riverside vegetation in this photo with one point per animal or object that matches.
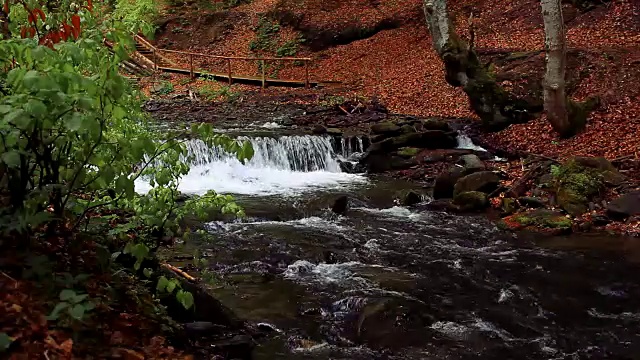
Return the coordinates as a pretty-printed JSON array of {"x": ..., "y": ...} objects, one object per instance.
[{"x": 74, "y": 140}]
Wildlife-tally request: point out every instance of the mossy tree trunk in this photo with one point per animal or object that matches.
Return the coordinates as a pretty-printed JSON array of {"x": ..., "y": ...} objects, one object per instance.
[
  {"x": 496, "y": 107},
  {"x": 555, "y": 99}
]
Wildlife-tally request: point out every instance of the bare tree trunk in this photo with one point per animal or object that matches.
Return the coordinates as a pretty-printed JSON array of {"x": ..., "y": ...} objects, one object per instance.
[
  {"x": 555, "y": 98},
  {"x": 496, "y": 107}
]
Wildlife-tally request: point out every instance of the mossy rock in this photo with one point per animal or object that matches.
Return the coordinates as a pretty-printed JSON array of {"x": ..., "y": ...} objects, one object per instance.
[
  {"x": 540, "y": 220},
  {"x": 471, "y": 201},
  {"x": 576, "y": 185},
  {"x": 386, "y": 127},
  {"x": 334, "y": 131},
  {"x": 509, "y": 206},
  {"x": 408, "y": 152}
]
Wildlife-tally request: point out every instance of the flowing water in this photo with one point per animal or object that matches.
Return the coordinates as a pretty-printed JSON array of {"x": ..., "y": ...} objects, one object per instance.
[{"x": 388, "y": 282}]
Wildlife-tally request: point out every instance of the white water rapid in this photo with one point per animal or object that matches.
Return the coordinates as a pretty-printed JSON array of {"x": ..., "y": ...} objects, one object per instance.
[{"x": 284, "y": 165}]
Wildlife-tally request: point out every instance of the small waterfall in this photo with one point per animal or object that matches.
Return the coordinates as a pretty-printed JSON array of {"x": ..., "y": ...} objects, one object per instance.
[
  {"x": 293, "y": 153},
  {"x": 287, "y": 164},
  {"x": 465, "y": 142},
  {"x": 349, "y": 146}
]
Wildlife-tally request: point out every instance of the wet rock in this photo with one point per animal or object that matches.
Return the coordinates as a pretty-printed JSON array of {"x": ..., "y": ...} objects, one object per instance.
[
  {"x": 624, "y": 206},
  {"x": 539, "y": 220},
  {"x": 340, "y": 205},
  {"x": 471, "y": 201},
  {"x": 598, "y": 163},
  {"x": 411, "y": 198},
  {"x": 319, "y": 129},
  {"x": 432, "y": 139},
  {"x": 532, "y": 202},
  {"x": 445, "y": 182},
  {"x": 237, "y": 347},
  {"x": 377, "y": 163},
  {"x": 334, "y": 131},
  {"x": 407, "y": 129},
  {"x": 484, "y": 181},
  {"x": 600, "y": 220},
  {"x": 386, "y": 127},
  {"x": 202, "y": 328},
  {"x": 436, "y": 124},
  {"x": 472, "y": 163},
  {"x": 408, "y": 152},
  {"x": 438, "y": 205}
]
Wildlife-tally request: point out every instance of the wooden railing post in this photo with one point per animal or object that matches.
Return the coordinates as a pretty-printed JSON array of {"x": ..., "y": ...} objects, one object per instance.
[
  {"x": 306, "y": 74},
  {"x": 155, "y": 59},
  {"x": 191, "y": 72},
  {"x": 229, "y": 71},
  {"x": 264, "y": 82}
]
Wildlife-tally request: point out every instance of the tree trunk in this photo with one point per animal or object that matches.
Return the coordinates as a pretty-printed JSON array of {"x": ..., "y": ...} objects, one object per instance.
[
  {"x": 496, "y": 107},
  {"x": 555, "y": 99}
]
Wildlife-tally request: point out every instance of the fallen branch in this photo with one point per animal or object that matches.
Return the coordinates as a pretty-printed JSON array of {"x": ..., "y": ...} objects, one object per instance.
[
  {"x": 622, "y": 158},
  {"x": 343, "y": 110},
  {"x": 516, "y": 188},
  {"x": 179, "y": 272}
]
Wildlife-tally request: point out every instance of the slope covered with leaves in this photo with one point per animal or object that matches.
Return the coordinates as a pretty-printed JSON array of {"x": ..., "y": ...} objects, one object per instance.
[{"x": 383, "y": 48}]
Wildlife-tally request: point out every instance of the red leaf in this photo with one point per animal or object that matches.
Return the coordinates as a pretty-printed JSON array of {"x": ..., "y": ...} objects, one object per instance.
[
  {"x": 23, "y": 32},
  {"x": 89, "y": 5},
  {"x": 6, "y": 7},
  {"x": 30, "y": 18},
  {"x": 41, "y": 13},
  {"x": 75, "y": 20}
]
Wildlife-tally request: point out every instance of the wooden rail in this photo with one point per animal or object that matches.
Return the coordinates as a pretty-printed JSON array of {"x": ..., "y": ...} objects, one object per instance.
[{"x": 157, "y": 55}]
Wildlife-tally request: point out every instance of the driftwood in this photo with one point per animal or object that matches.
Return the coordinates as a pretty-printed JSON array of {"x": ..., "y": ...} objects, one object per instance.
[{"x": 178, "y": 272}]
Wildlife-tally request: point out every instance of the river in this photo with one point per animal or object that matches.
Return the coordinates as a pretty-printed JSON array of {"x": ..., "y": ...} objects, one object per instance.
[{"x": 389, "y": 282}]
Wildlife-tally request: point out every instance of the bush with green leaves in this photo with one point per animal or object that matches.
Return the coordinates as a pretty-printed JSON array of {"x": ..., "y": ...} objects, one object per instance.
[
  {"x": 137, "y": 15},
  {"x": 74, "y": 140}
]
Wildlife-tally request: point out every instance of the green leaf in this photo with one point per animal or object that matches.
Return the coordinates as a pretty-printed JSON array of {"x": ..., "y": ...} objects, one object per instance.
[
  {"x": 19, "y": 118},
  {"x": 162, "y": 283},
  {"x": 77, "y": 312},
  {"x": 36, "y": 108},
  {"x": 67, "y": 294},
  {"x": 115, "y": 255},
  {"x": 185, "y": 298},
  {"x": 56, "y": 310},
  {"x": 171, "y": 286},
  {"x": 147, "y": 272},
  {"x": 74, "y": 122},
  {"x": 11, "y": 158},
  {"x": 5, "y": 341},
  {"x": 31, "y": 79},
  {"x": 79, "y": 298}
]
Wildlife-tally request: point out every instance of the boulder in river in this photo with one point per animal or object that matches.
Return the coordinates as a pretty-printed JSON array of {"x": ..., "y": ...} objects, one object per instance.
[
  {"x": 483, "y": 181},
  {"x": 386, "y": 127},
  {"x": 436, "y": 124},
  {"x": 340, "y": 205},
  {"x": 446, "y": 181},
  {"x": 575, "y": 185},
  {"x": 319, "y": 129},
  {"x": 532, "y": 202},
  {"x": 380, "y": 162},
  {"x": 471, "y": 201},
  {"x": 624, "y": 206},
  {"x": 472, "y": 163},
  {"x": 410, "y": 198},
  {"x": 432, "y": 139},
  {"x": 408, "y": 152}
]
